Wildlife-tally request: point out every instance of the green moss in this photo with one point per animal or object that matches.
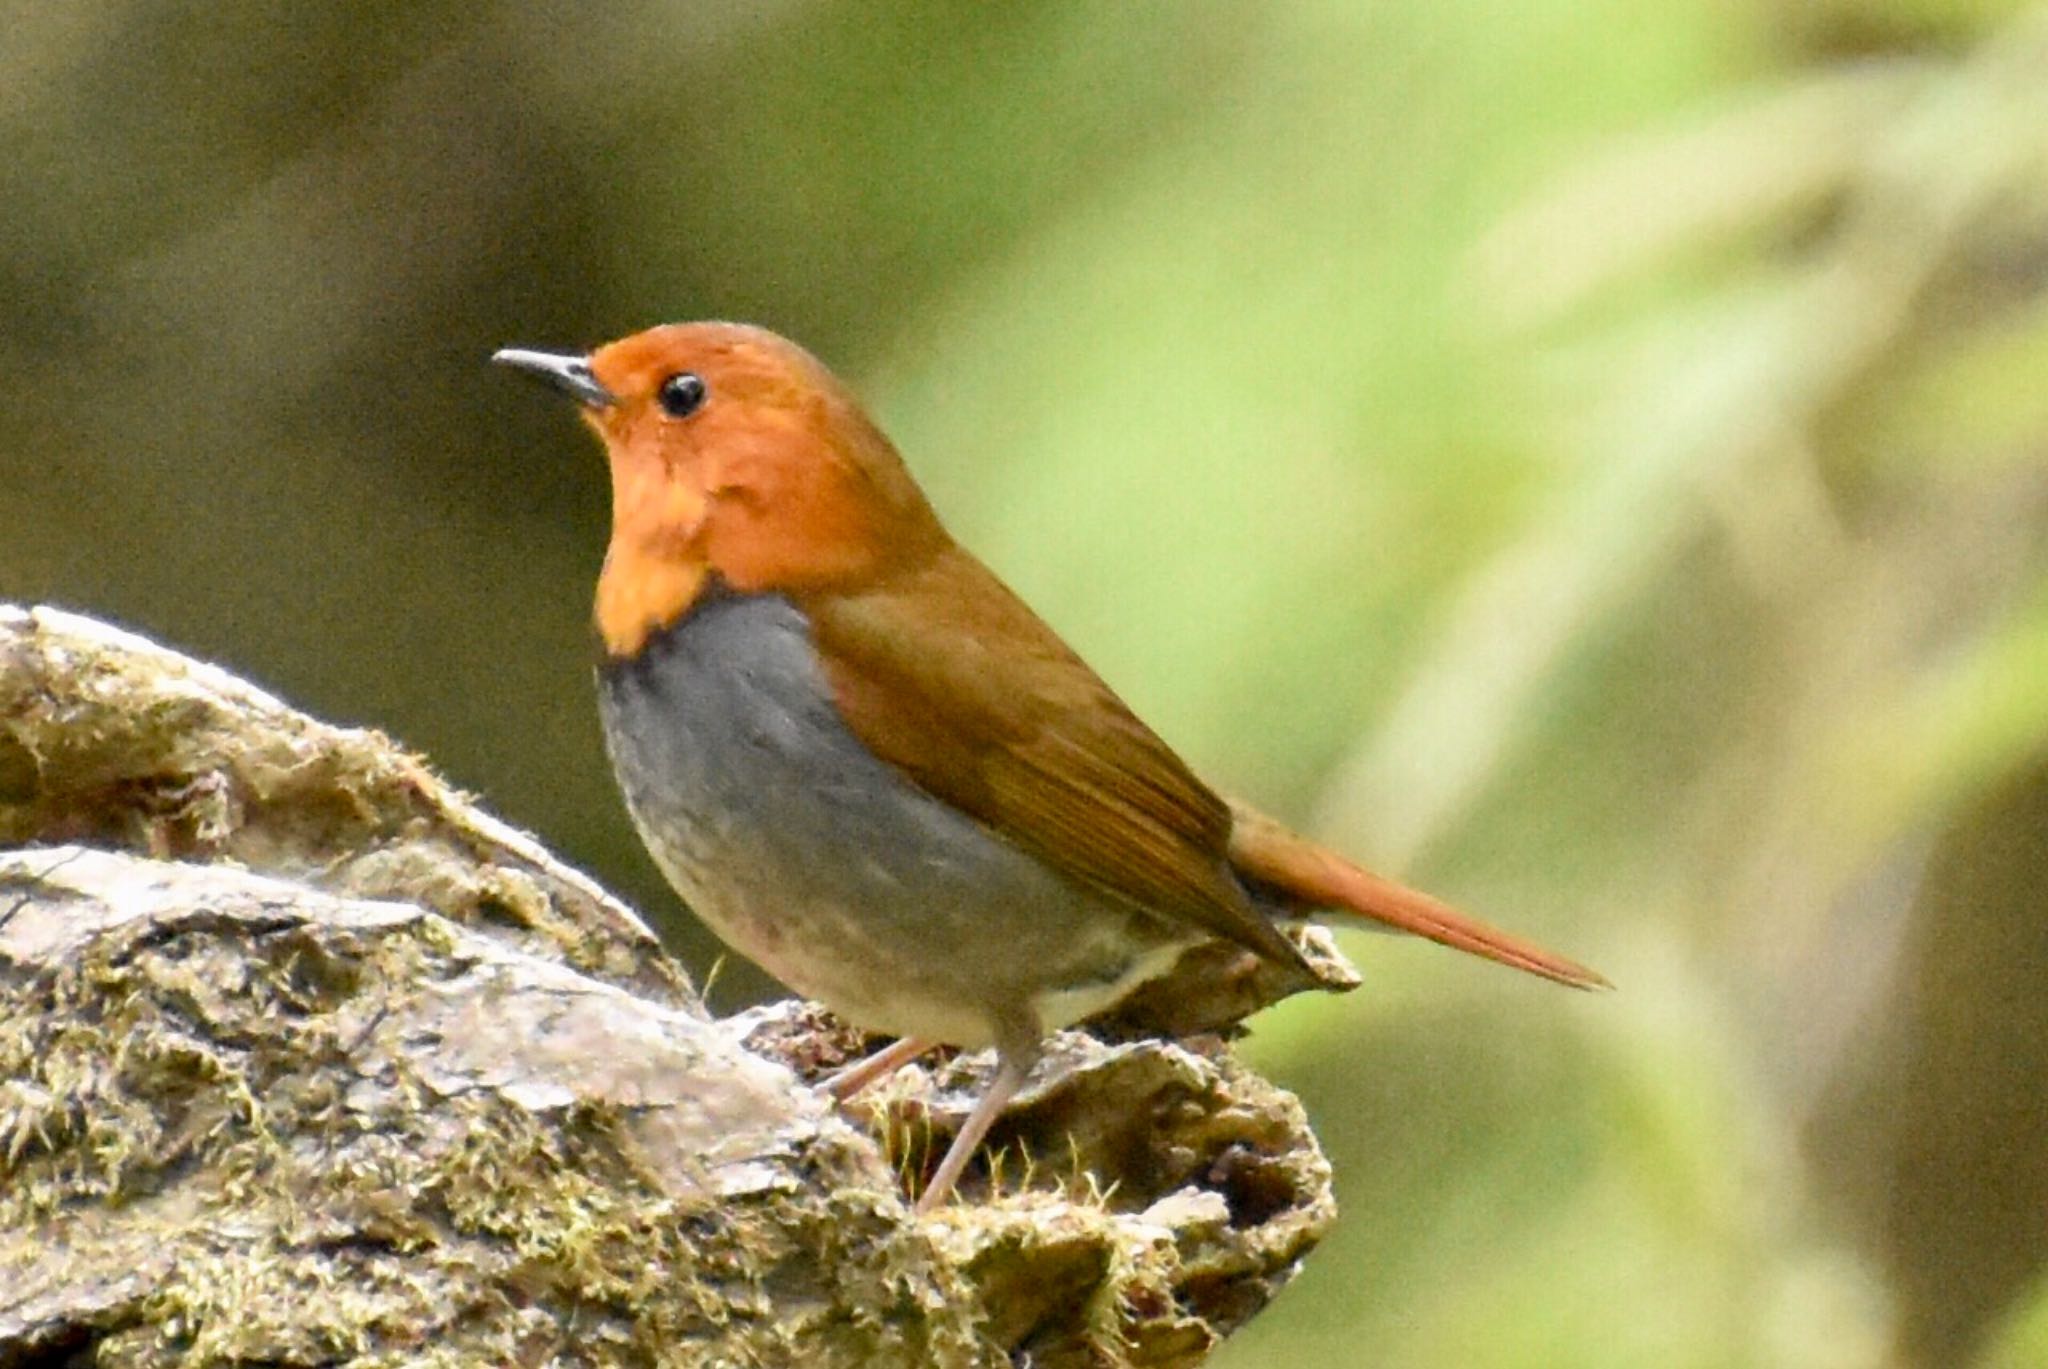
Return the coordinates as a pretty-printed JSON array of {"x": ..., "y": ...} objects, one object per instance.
[{"x": 364, "y": 1232}]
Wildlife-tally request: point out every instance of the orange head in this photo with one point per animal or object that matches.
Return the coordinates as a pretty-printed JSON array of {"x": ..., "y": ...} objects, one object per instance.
[{"x": 733, "y": 453}]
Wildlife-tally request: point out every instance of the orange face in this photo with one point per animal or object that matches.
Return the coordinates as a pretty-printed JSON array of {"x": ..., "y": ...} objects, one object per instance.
[{"x": 734, "y": 452}]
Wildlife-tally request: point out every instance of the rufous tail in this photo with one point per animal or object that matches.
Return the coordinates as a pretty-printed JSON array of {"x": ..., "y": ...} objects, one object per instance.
[{"x": 1267, "y": 853}]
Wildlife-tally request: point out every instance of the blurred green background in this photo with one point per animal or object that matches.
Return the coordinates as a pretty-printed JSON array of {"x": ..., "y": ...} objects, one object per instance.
[{"x": 1589, "y": 456}]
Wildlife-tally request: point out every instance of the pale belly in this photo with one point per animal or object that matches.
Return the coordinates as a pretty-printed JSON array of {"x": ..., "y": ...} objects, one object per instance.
[{"x": 823, "y": 865}]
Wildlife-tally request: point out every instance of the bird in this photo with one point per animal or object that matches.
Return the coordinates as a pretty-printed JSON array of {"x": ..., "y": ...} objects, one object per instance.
[{"x": 869, "y": 767}]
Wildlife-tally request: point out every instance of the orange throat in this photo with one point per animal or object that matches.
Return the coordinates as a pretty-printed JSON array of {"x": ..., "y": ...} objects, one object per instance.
[
  {"x": 639, "y": 594},
  {"x": 657, "y": 564}
]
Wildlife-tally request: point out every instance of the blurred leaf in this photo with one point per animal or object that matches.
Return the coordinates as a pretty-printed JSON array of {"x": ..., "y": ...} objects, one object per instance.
[
  {"x": 1974, "y": 400},
  {"x": 1956, "y": 732},
  {"x": 2022, "y": 1343},
  {"x": 1781, "y": 156}
]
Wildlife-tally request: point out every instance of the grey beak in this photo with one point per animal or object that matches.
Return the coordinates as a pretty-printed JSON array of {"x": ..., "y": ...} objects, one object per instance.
[{"x": 565, "y": 371}]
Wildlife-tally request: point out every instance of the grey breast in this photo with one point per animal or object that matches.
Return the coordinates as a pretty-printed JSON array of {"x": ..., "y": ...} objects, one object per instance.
[{"x": 812, "y": 856}]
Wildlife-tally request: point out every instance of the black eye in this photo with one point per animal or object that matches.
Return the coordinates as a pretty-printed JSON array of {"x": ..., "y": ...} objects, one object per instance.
[{"x": 682, "y": 394}]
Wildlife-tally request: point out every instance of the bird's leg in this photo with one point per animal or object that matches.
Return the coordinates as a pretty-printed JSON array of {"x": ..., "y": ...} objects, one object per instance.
[
  {"x": 1013, "y": 1065},
  {"x": 844, "y": 1083}
]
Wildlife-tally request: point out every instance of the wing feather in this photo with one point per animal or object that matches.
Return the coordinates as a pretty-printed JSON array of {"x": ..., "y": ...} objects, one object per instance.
[{"x": 946, "y": 674}]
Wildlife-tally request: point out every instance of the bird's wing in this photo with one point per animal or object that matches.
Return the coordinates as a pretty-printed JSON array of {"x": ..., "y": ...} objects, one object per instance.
[{"x": 943, "y": 672}]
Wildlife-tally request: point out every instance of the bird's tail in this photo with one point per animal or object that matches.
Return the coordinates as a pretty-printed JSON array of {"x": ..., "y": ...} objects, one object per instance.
[{"x": 1299, "y": 870}]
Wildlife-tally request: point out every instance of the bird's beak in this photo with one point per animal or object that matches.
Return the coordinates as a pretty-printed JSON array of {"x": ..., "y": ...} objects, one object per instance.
[{"x": 567, "y": 373}]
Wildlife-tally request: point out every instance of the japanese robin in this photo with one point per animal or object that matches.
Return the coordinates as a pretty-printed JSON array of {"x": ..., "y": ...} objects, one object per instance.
[{"x": 868, "y": 766}]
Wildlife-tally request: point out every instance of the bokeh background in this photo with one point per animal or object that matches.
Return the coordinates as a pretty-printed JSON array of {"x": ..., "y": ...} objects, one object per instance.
[{"x": 1589, "y": 456}]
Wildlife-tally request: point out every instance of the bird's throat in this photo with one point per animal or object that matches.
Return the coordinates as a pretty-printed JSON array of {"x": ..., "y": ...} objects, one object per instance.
[{"x": 640, "y": 593}]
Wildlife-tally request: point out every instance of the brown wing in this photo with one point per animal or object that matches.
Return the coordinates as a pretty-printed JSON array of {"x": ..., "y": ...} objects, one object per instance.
[{"x": 946, "y": 674}]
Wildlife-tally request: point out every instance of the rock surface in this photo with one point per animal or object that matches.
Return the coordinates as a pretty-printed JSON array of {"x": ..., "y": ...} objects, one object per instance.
[{"x": 305, "y": 1060}]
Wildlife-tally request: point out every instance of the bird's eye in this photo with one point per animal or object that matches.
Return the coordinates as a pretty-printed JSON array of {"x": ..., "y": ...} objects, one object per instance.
[{"x": 682, "y": 394}]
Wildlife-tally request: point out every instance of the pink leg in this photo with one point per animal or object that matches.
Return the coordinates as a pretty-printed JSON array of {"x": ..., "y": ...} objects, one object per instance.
[
  {"x": 843, "y": 1084},
  {"x": 1011, "y": 1071}
]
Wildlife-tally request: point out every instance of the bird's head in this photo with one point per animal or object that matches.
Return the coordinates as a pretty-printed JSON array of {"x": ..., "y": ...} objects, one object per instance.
[{"x": 734, "y": 453}]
